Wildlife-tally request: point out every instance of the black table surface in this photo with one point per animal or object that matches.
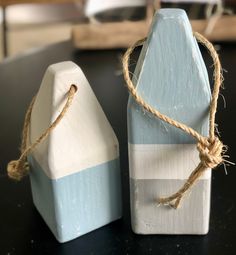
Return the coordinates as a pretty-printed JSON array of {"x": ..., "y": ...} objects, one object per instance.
[{"x": 23, "y": 231}]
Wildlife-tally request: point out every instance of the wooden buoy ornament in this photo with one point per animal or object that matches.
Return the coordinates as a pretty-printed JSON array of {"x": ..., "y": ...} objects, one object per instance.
[
  {"x": 169, "y": 109},
  {"x": 73, "y": 155}
]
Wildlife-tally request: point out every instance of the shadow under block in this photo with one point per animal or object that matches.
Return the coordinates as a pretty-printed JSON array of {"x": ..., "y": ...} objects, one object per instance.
[
  {"x": 171, "y": 76},
  {"x": 75, "y": 172}
]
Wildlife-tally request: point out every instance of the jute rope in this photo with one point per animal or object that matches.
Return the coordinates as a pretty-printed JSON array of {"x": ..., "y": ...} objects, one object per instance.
[
  {"x": 211, "y": 149},
  {"x": 17, "y": 169}
]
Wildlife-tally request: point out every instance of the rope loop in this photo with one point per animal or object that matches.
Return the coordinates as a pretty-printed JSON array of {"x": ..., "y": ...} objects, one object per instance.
[{"x": 17, "y": 169}]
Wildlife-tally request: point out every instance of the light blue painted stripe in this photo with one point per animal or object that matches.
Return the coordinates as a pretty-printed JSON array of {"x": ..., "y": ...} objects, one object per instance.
[
  {"x": 79, "y": 203},
  {"x": 170, "y": 76}
]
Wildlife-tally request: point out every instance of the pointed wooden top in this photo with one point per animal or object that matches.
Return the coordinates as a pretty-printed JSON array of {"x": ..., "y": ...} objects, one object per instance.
[
  {"x": 83, "y": 138},
  {"x": 171, "y": 76}
]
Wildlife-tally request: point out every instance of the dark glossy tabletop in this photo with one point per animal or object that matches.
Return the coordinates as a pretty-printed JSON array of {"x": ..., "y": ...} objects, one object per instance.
[{"x": 22, "y": 230}]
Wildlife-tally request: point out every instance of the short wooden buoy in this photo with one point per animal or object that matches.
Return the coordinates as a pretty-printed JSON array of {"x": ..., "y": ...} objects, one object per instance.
[
  {"x": 75, "y": 174},
  {"x": 170, "y": 76}
]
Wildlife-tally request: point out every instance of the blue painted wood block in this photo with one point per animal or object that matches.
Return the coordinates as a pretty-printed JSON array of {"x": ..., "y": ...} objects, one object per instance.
[
  {"x": 75, "y": 172},
  {"x": 171, "y": 76}
]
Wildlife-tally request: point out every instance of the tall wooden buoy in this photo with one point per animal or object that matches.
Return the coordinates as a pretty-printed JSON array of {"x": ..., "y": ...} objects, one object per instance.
[
  {"x": 170, "y": 76},
  {"x": 75, "y": 175}
]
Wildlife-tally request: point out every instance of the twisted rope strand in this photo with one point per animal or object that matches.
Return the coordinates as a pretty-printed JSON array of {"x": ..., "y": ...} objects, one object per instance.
[
  {"x": 211, "y": 150},
  {"x": 218, "y": 78},
  {"x": 17, "y": 169}
]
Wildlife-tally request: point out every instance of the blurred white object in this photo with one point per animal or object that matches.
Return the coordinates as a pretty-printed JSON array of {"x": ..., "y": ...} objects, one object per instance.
[
  {"x": 95, "y": 6},
  {"x": 191, "y": 1}
]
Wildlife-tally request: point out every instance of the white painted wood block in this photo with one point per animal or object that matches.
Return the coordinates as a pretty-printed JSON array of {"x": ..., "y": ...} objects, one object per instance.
[
  {"x": 171, "y": 76},
  {"x": 75, "y": 175}
]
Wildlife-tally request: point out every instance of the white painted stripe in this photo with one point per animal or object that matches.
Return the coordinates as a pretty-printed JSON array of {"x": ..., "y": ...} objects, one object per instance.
[{"x": 163, "y": 161}]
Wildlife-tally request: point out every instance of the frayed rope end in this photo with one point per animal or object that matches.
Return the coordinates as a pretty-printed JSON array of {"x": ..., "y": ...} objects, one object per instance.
[{"x": 172, "y": 203}]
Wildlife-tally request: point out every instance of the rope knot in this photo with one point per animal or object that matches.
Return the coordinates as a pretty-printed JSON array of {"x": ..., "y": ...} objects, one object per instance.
[
  {"x": 211, "y": 152},
  {"x": 17, "y": 169}
]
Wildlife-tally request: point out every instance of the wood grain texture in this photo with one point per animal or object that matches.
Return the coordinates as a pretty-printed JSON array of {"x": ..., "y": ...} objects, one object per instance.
[
  {"x": 12, "y": 2},
  {"x": 126, "y": 33},
  {"x": 108, "y": 35},
  {"x": 223, "y": 30},
  {"x": 171, "y": 76},
  {"x": 75, "y": 172}
]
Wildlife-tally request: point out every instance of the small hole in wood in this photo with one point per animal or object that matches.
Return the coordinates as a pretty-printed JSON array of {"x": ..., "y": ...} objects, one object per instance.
[{"x": 75, "y": 87}]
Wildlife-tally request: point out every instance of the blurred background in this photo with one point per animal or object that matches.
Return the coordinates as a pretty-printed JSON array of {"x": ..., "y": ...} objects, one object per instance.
[{"x": 100, "y": 24}]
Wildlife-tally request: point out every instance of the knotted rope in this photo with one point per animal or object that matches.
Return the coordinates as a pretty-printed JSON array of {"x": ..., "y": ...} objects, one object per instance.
[
  {"x": 211, "y": 149},
  {"x": 17, "y": 169}
]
